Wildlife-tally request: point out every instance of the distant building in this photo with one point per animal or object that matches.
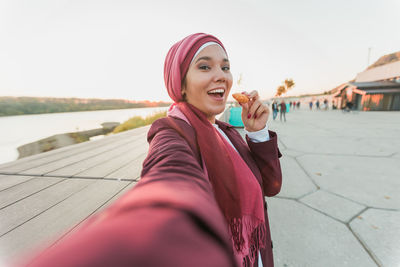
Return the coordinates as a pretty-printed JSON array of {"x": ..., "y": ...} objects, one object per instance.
[{"x": 373, "y": 89}]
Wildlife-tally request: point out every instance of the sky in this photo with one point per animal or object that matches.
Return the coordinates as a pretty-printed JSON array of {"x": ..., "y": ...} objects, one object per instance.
[{"x": 116, "y": 48}]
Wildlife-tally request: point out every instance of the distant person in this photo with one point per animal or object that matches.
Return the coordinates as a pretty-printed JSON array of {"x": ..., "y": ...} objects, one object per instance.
[
  {"x": 334, "y": 105},
  {"x": 317, "y": 104},
  {"x": 274, "y": 109},
  {"x": 282, "y": 110},
  {"x": 310, "y": 104},
  {"x": 201, "y": 197},
  {"x": 349, "y": 106},
  {"x": 298, "y": 105},
  {"x": 326, "y": 104}
]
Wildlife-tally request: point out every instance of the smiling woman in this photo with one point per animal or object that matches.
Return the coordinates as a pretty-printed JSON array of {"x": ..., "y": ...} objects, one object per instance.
[{"x": 200, "y": 148}]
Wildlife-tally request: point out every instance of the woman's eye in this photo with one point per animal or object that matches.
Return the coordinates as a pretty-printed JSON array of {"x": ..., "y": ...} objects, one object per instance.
[
  {"x": 204, "y": 67},
  {"x": 226, "y": 68}
]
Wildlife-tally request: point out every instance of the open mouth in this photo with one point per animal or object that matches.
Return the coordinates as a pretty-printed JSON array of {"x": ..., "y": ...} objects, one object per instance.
[{"x": 219, "y": 93}]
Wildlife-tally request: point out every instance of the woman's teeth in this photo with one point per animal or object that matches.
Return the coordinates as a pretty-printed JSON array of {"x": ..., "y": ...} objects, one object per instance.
[{"x": 219, "y": 92}]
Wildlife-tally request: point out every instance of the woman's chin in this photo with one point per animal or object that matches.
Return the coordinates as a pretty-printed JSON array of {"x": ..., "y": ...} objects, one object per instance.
[{"x": 218, "y": 111}]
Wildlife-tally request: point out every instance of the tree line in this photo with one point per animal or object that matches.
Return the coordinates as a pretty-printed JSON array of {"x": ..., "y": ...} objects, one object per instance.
[{"x": 39, "y": 105}]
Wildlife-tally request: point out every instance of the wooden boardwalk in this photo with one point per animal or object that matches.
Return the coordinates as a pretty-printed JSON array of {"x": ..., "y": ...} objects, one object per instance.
[{"x": 45, "y": 196}]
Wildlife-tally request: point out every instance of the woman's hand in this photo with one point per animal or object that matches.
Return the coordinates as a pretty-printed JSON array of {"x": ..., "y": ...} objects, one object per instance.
[{"x": 254, "y": 113}]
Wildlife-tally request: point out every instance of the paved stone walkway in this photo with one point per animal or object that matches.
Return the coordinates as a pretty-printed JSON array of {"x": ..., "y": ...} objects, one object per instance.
[{"x": 340, "y": 199}]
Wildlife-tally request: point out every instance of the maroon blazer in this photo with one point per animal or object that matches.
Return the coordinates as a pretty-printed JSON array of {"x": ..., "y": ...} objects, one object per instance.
[{"x": 173, "y": 145}]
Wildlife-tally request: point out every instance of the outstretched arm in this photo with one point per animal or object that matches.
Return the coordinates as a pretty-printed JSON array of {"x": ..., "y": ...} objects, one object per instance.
[{"x": 170, "y": 218}]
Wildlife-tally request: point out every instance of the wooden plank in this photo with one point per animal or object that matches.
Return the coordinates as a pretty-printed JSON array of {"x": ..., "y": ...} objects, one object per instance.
[
  {"x": 54, "y": 155},
  {"x": 113, "y": 164},
  {"x": 108, "y": 138},
  {"x": 47, "y": 227},
  {"x": 118, "y": 195},
  {"x": 52, "y": 166},
  {"x": 23, "y": 190},
  {"x": 85, "y": 164},
  {"x": 7, "y": 181},
  {"x": 33, "y": 161},
  {"x": 17, "y": 214},
  {"x": 130, "y": 171}
]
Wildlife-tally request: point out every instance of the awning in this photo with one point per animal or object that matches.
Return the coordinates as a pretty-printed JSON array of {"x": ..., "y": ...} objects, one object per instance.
[{"x": 382, "y": 91}]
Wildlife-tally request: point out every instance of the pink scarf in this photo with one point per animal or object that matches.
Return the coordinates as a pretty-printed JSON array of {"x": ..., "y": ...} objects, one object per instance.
[{"x": 236, "y": 189}]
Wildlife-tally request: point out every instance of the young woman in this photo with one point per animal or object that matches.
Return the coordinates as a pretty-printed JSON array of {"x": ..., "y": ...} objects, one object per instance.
[
  {"x": 200, "y": 199},
  {"x": 198, "y": 79}
]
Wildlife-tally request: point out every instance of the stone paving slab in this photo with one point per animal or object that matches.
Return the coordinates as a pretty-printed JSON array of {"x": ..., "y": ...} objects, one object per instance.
[
  {"x": 304, "y": 237},
  {"x": 345, "y": 146},
  {"x": 293, "y": 153},
  {"x": 333, "y": 205},
  {"x": 295, "y": 182},
  {"x": 373, "y": 182},
  {"x": 379, "y": 230}
]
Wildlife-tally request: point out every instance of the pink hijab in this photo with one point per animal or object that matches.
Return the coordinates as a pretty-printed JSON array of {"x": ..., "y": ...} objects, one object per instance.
[
  {"x": 236, "y": 189},
  {"x": 178, "y": 61}
]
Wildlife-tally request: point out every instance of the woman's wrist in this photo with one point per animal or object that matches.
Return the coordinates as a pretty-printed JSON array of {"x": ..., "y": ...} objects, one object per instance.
[{"x": 258, "y": 136}]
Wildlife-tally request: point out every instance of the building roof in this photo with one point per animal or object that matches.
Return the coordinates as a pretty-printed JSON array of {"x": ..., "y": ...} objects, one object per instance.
[
  {"x": 376, "y": 84},
  {"x": 383, "y": 72}
]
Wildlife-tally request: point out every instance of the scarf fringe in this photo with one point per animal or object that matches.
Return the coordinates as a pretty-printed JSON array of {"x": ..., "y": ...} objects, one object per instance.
[{"x": 247, "y": 247}]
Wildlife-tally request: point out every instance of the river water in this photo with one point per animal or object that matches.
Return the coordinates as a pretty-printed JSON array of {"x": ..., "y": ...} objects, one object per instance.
[{"x": 19, "y": 130}]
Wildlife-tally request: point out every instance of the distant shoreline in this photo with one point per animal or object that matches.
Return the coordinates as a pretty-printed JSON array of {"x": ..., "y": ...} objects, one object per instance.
[
  {"x": 1, "y": 116},
  {"x": 14, "y": 106}
]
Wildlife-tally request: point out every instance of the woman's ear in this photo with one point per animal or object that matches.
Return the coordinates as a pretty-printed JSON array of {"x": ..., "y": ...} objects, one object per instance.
[{"x": 183, "y": 89}]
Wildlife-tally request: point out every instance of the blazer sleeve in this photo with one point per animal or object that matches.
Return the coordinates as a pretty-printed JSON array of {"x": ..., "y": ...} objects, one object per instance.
[
  {"x": 266, "y": 155},
  {"x": 170, "y": 218}
]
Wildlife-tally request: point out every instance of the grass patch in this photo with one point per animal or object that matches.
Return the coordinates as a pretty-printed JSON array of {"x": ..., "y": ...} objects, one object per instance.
[{"x": 139, "y": 121}]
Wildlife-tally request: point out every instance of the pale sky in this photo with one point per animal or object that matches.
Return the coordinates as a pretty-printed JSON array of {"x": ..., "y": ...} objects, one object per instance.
[{"x": 116, "y": 48}]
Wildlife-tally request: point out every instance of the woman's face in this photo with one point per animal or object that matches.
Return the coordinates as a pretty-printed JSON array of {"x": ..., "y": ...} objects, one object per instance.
[{"x": 208, "y": 81}]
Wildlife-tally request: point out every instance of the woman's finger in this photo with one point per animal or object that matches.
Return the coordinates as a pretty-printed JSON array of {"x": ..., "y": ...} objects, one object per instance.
[
  {"x": 254, "y": 94},
  {"x": 253, "y": 108},
  {"x": 260, "y": 111}
]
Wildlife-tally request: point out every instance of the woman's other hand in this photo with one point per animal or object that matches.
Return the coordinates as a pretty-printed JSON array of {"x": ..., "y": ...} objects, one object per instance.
[{"x": 254, "y": 113}]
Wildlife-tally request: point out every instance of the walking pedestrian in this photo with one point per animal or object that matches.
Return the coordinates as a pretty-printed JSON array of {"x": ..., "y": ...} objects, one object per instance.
[
  {"x": 274, "y": 109},
  {"x": 282, "y": 110}
]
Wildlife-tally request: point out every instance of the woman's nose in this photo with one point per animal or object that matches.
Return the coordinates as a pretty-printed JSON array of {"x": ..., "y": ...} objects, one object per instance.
[{"x": 220, "y": 76}]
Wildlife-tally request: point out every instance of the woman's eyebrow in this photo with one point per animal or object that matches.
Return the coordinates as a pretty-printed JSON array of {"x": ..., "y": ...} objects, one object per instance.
[
  {"x": 205, "y": 58},
  {"x": 209, "y": 58}
]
